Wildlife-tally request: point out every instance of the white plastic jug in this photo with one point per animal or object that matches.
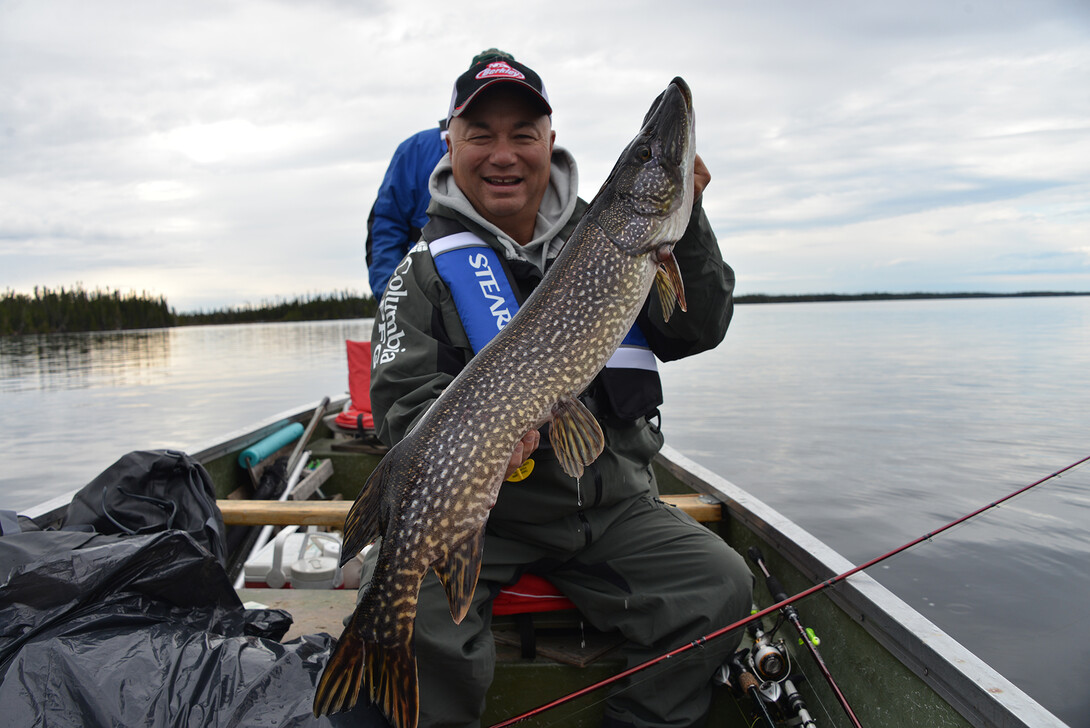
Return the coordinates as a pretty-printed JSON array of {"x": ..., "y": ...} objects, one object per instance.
[{"x": 318, "y": 572}]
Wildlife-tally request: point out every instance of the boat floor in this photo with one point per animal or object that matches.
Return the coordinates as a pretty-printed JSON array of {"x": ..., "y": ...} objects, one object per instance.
[{"x": 312, "y": 610}]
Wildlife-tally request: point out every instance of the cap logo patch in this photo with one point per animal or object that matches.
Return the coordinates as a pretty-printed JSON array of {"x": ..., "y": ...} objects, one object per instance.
[{"x": 500, "y": 69}]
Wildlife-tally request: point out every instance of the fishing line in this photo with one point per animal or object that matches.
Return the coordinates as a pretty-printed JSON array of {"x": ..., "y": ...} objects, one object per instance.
[{"x": 701, "y": 641}]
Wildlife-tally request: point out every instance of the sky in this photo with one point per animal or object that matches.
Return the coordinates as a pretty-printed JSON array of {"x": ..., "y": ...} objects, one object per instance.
[{"x": 227, "y": 153}]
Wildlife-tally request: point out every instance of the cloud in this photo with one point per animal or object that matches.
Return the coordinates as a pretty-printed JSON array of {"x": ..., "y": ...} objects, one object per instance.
[{"x": 220, "y": 152}]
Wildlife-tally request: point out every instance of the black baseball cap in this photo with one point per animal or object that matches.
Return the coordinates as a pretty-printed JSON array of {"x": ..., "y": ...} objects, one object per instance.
[{"x": 491, "y": 67}]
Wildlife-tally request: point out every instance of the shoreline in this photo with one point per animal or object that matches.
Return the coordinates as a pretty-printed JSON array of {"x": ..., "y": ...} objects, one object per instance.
[{"x": 277, "y": 313}]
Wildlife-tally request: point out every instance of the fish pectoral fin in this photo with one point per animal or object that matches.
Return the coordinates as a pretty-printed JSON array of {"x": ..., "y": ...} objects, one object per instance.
[
  {"x": 669, "y": 285},
  {"x": 576, "y": 436},
  {"x": 458, "y": 573},
  {"x": 363, "y": 524}
]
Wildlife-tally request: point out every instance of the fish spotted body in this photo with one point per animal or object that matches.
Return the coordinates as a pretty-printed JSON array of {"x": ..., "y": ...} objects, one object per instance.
[{"x": 430, "y": 497}]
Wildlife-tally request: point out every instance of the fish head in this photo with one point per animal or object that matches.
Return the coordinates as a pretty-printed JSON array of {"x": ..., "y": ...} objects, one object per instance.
[{"x": 645, "y": 203}]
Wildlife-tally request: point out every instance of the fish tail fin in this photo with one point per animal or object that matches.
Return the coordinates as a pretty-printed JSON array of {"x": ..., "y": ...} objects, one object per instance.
[
  {"x": 339, "y": 687},
  {"x": 389, "y": 674}
]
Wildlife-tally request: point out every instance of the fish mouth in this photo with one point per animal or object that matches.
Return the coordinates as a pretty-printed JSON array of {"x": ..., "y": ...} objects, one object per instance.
[
  {"x": 670, "y": 120},
  {"x": 687, "y": 94}
]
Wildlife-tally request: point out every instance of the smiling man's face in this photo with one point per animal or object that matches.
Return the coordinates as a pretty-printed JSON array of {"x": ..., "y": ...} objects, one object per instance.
[{"x": 501, "y": 150}]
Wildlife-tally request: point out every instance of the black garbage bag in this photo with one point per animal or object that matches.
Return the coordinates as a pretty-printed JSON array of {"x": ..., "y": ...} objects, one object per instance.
[
  {"x": 145, "y": 630},
  {"x": 148, "y": 491}
]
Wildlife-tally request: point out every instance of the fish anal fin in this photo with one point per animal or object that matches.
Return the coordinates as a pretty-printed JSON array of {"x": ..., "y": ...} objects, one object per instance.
[
  {"x": 669, "y": 285},
  {"x": 458, "y": 573},
  {"x": 576, "y": 436}
]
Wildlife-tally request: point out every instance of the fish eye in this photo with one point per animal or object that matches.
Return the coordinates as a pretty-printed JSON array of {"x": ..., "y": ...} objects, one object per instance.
[{"x": 643, "y": 153}]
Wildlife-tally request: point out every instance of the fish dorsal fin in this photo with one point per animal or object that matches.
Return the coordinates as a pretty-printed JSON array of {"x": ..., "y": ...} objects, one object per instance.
[
  {"x": 576, "y": 436},
  {"x": 669, "y": 286},
  {"x": 458, "y": 572},
  {"x": 364, "y": 522}
]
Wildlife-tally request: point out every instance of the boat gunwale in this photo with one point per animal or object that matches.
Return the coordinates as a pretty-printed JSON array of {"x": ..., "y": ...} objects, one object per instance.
[
  {"x": 236, "y": 440},
  {"x": 973, "y": 688}
]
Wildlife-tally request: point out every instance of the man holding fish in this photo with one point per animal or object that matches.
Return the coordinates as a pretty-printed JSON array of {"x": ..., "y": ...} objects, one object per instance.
[{"x": 504, "y": 204}]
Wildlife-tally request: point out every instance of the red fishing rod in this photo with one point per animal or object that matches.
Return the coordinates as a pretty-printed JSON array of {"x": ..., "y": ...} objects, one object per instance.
[
  {"x": 779, "y": 605},
  {"x": 792, "y": 615}
]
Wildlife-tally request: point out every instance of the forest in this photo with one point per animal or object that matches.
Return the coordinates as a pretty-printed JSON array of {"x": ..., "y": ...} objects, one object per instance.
[{"x": 48, "y": 311}]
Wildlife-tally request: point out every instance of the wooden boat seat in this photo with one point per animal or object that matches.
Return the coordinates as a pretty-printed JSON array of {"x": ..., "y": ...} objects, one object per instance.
[
  {"x": 332, "y": 513},
  {"x": 519, "y": 603}
]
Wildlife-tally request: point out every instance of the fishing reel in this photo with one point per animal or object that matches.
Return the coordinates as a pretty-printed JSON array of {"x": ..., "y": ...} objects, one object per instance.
[
  {"x": 770, "y": 660},
  {"x": 762, "y": 672}
]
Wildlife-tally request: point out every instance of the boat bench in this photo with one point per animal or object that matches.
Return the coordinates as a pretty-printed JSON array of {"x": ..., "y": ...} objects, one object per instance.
[
  {"x": 332, "y": 513},
  {"x": 531, "y": 595}
]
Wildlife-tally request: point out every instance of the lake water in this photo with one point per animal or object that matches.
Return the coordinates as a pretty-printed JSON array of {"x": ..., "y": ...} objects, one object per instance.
[{"x": 869, "y": 423}]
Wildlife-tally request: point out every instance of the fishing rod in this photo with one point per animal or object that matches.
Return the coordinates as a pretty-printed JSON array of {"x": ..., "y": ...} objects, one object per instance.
[
  {"x": 701, "y": 641},
  {"x": 792, "y": 615}
]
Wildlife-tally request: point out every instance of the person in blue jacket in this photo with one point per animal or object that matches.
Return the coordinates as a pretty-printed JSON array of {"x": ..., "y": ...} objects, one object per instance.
[{"x": 400, "y": 210}]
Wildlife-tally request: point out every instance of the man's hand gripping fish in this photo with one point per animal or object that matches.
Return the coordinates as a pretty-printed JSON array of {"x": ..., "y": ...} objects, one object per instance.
[{"x": 430, "y": 496}]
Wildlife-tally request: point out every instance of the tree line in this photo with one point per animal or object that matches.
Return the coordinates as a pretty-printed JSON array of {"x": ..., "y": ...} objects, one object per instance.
[
  {"x": 49, "y": 311},
  {"x": 313, "y": 307},
  {"x": 67, "y": 311}
]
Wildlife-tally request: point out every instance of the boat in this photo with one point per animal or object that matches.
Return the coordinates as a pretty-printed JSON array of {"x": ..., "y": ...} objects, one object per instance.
[{"x": 892, "y": 665}]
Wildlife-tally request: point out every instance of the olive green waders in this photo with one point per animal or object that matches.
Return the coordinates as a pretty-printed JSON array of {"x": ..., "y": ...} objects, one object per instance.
[{"x": 641, "y": 567}]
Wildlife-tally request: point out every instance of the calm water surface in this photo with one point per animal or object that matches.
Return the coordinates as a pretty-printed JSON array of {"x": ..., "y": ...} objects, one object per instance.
[{"x": 869, "y": 423}]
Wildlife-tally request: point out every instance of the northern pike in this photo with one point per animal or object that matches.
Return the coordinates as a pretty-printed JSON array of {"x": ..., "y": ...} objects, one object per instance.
[{"x": 430, "y": 496}]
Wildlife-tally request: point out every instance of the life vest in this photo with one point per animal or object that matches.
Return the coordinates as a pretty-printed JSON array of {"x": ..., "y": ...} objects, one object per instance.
[
  {"x": 358, "y": 416},
  {"x": 629, "y": 386},
  {"x": 486, "y": 302}
]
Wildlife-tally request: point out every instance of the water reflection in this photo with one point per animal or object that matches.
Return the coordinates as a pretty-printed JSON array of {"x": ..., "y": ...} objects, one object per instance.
[
  {"x": 70, "y": 405},
  {"x": 75, "y": 361}
]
